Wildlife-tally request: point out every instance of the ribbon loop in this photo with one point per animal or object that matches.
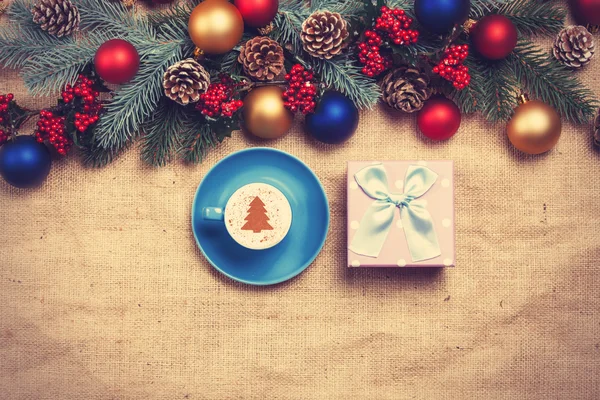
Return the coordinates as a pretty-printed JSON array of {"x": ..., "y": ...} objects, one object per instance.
[{"x": 376, "y": 222}]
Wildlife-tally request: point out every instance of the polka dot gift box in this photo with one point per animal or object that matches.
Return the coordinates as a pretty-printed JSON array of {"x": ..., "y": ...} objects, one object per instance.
[{"x": 401, "y": 214}]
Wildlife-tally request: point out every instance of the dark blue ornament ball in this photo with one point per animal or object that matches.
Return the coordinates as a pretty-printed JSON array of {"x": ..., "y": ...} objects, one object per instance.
[
  {"x": 334, "y": 120},
  {"x": 440, "y": 16},
  {"x": 24, "y": 162}
]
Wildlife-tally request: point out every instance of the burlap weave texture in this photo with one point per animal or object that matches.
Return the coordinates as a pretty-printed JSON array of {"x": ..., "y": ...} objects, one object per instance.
[{"x": 104, "y": 295}]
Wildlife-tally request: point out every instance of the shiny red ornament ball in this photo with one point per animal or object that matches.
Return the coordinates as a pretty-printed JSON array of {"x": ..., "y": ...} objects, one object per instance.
[
  {"x": 257, "y": 13},
  {"x": 494, "y": 37},
  {"x": 586, "y": 11},
  {"x": 117, "y": 61},
  {"x": 439, "y": 119}
]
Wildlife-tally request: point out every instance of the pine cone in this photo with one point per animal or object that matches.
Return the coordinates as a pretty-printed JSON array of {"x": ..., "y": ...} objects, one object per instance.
[
  {"x": 185, "y": 81},
  {"x": 574, "y": 46},
  {"x": 57, "y": 17},
  {"x": 324, "y": 34},
  {"x": 262, "y": 58},
  {"x": 597, "y": 129},
  {"x": 406, "y": 89}
]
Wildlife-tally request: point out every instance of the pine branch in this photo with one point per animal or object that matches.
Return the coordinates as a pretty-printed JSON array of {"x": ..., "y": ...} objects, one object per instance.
[
  {"x": 229, "y": 63},
  {"x": 113, "y": 18},
  {"x": 48, "y": 72},
  {"x": 161, "y": 132},
  {"x": 195, "y": 140},
  {"x": 498, "y": 94},
  {"x": 338, "y": 73},
  {"x": 472, "y": 97},
  {"x": 20, "y": 43},
  {"x": 180, "y": 12},
  {"x": 172, "y": 24},
  {"x": 23, "y": 38},
  {"x": 347, "y": 8},
  {"x": 288, "y": 23},
  {"x": 535, "y": 18},
  {"x": 346, "y": 77},
  {"x": 135, "y": 101},
  {"x": 479, "y": 8},
  {"x": 19, "y": 12},
  {"x": 96, "y": 156},
  {"x": 545, "y": 79}
]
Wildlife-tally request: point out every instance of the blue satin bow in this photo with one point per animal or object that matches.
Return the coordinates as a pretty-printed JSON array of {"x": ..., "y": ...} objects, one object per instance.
[{"x": 376, "y": 223}]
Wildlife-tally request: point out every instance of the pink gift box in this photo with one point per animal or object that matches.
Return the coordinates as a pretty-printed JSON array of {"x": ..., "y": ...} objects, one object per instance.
[{"x": 438, "y": 200}]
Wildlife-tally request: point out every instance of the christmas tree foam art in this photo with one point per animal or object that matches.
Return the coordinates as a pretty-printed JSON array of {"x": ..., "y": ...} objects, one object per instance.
[{"x": 257, "y": 219}]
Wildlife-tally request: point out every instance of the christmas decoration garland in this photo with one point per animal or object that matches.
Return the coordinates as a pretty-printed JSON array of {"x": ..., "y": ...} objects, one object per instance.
[{"x": 182, "y": 79}]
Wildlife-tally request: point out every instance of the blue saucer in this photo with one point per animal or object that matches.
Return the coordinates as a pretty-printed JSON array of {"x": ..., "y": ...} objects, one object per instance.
[{"x": 310, "y": 216}]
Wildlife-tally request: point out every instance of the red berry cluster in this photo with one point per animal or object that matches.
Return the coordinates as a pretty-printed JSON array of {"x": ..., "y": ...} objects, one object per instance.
[
  {"x": 52, "y": 128},
  {"x": 369, "y": 55},
  {"x": 301, "y": 92},
  {"x": 451, "y": 66},
  {"x": 218, "y": 100},
  {"x": 4, "y": 103},
  {"x": 83, "y": 89},
  {"x": 394, "y": 25}
]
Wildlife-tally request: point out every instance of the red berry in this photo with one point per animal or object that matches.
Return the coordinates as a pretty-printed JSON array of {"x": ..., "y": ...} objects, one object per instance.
[{"x": 451, "y": 66}]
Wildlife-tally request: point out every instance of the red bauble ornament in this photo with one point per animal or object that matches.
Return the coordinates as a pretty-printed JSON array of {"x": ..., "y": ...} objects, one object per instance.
[
  {"x": 586, "y": 11},
  {"x": 439, "y": 119},
  {"x": 494, "y": 37},
  {"x": 117, "y": 61},
  {"x": 257, "y": 13}
]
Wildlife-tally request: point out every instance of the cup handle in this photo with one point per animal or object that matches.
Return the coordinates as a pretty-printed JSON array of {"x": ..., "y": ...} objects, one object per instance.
[{"x": 213, "y": 214}]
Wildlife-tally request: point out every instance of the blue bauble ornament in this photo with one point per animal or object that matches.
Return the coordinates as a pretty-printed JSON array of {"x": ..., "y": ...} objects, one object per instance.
[
  {"x": 334, "y": 120},
  {"x": 440, "y": 16},
  {"x": 24, "y": 162}
]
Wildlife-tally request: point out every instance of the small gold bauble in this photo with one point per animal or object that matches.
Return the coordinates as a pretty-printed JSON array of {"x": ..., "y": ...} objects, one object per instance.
[
  {"x": 265, "y": 116},
  {"x": 535, "y": 127},
  {"x": 216, "y": 26}
]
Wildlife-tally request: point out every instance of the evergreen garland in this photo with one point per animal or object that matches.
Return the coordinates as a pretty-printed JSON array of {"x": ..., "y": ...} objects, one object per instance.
[{"x": 139, "y": 107}]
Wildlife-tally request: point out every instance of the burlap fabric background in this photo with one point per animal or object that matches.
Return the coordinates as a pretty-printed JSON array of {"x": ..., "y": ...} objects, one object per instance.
[{"x": 104, "y": 295}]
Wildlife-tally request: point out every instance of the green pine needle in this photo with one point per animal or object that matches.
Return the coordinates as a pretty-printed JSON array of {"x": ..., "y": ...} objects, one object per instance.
[
  {"x": 471, "y": 98},
  {"x": 137, "y": 100},
  {"x": 288, "y": 23},
  {"x": 347, "y": 78},
  {"x": 19, "y": 44},
  {"x": 159, "y": 141},
  {"x": 49, "y": 72},
  {"x": 19, "y": 12},
  {"x": 498, "y": 96},
  {"x": 98, "y": 157},
  {"x": 545, "y": 79},
  {"x": 195, "y": 140},
  {"x": 113, "y": 18},
  {"x": 535, "y": 18}
]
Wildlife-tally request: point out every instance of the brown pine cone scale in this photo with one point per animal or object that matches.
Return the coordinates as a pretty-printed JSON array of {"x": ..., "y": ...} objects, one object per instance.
[
  {"x": 57, "y": 17},
  {"x": 574, "y": 46},
  {"x": 405, "y": 89},
  {"x": 262, "y": 58},
  {"x": 324, "y": 34},
  {"x": 185, "y": 81}
]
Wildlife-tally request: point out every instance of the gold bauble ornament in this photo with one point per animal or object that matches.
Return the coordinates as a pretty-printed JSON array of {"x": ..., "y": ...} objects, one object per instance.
[
  {"x": 535, "y": 127},
  {"x": 265, "y": 116},
  {"x": 216, "y": 26}
]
